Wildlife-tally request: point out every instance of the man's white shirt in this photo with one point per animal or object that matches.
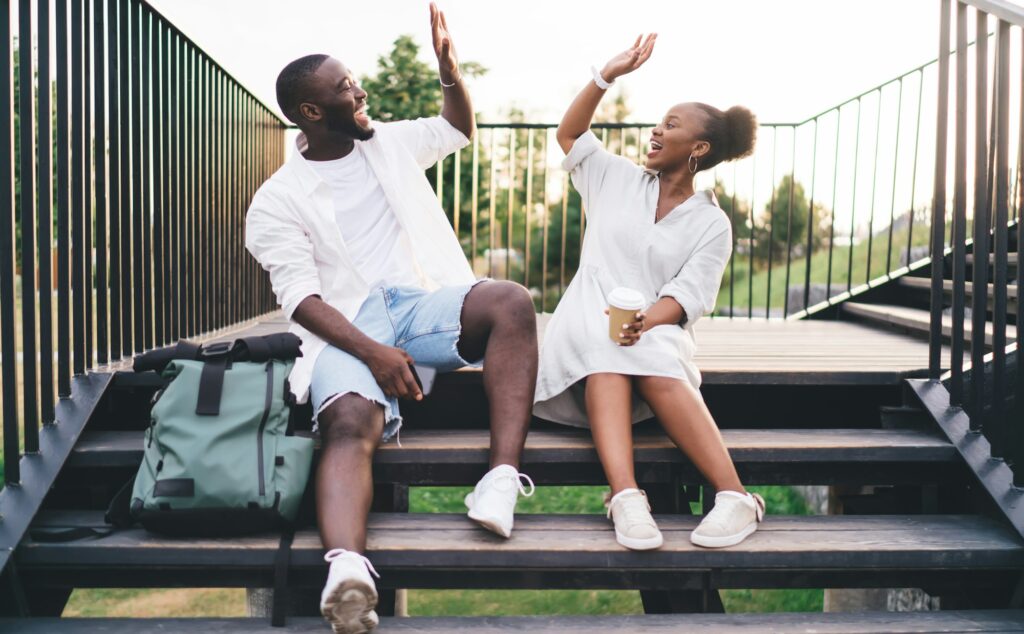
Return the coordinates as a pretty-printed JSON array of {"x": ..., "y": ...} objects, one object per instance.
[{"x": 292, "y": 228}]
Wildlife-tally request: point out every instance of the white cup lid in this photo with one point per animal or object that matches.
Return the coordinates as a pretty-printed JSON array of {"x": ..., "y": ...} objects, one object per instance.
[{"x": 626, "y": 298}]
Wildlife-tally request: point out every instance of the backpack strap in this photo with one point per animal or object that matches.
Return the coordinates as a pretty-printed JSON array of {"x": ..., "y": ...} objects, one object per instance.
[
  {"x": 282, "y": 346},
  {"x": 216, "y": 359}
]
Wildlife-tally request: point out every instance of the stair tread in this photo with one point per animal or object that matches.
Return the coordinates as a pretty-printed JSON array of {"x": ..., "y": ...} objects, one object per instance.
[
  {"x": 124, "y": 448},
  {"x": 918, "y": 319},
  {"x": 820, "y": 622},
  {"x": 947, "y": 285},
  {"x": 450, "y": 542}
]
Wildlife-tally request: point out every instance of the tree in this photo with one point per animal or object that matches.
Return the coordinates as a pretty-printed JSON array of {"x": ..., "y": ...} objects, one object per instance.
[
  {"x": 406, "y": 87},
  {"x": 785, "y": 215}
]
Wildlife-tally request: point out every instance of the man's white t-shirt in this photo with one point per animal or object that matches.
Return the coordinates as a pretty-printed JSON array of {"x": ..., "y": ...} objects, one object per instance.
[{"x": 369, "y": 227}]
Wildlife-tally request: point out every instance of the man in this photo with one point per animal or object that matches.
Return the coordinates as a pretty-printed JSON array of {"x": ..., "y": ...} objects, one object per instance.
[{"x": 365, "y": 264}]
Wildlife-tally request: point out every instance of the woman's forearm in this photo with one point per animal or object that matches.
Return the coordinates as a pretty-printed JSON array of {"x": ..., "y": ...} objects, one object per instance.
[
  {"x": 663, "y": 312},
  {"x": 577, "y": 118}
]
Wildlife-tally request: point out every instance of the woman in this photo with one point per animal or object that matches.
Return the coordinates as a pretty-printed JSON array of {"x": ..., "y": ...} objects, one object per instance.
[{"x": 650, "y": 231}]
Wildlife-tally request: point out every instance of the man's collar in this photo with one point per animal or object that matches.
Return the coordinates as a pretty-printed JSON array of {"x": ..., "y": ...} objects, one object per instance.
[{"x": 307, "y": 176}]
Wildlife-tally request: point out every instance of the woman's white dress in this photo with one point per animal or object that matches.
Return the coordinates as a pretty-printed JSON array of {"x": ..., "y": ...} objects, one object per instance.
[{"x": 683, "y": 256}]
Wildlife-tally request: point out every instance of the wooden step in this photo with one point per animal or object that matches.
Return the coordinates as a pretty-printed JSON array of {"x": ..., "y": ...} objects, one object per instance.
[
  {"x": 915, "y": 320},
  {"x": 790, "y": 456},
  {"x": 795, "y": 623},
  {"x": 923, "y": 284},
  {"x": 549, "y": 551}
]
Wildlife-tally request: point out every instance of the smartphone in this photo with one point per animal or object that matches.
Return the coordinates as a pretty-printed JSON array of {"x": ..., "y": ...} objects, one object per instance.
[{"x": 425, "y": 376}]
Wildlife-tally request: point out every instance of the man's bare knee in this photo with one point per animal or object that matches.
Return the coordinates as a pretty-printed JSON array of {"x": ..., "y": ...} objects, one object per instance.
[{"x": 351, "y": 418}]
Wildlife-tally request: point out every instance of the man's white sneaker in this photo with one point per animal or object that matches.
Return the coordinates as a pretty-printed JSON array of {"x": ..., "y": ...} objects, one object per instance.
[
  {"x": 492, "y": 503},
  {"x": 734, "y": 517},
  {"x": 349, "y": 595},
  {"x": 634, "y": 527}
]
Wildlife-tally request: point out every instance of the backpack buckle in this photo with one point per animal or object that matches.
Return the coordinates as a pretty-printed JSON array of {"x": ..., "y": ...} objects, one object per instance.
[{"x": 219, "y": 349}]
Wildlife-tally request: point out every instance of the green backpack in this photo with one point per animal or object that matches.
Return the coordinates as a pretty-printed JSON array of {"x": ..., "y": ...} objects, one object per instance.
[{"x": 219, "y": 456}]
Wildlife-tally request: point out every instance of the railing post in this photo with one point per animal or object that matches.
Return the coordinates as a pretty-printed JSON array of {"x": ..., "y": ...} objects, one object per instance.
[
  {"x": 998, "y": 437},
  {"x": 956, "y": 393},
  {"x": 979, "y": 285},
  {"x": 12, "y": 473},
  {"x": 939, "y": 197}
]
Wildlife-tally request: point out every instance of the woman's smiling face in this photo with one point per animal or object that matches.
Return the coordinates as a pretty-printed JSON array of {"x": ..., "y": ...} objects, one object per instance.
[{"x": 676, "y": 137}]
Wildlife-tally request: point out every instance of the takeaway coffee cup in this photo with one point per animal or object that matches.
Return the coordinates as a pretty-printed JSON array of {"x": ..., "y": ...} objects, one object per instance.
[{"x": 623, "y": 304}]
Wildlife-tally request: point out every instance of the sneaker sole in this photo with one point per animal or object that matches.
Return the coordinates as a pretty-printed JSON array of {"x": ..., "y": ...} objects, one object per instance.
[
  {"x": 633, "y": 543},
  {"x": 724, "y": 540},
  {"x": 490, "y": 523},
  {"x": 349, "y": 610}
]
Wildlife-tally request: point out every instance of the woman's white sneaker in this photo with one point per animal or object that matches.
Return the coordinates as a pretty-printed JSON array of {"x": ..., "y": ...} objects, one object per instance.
[
  {"x": 492, "y": 503},
  {"x": 634, "y": 527},
  {"x": 734, "y": 517},
  {"x": 349, "y": 596}
]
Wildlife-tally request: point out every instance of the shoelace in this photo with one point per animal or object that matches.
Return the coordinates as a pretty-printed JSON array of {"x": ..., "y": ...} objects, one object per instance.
[
  {"x": 338, "y": 552},
  {"x": 633, "y": 509},
  {"x": 518, "y": 478}
]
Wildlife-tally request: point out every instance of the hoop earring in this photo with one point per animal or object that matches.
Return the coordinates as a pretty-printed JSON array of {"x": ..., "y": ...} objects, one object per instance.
[{"x": 692, "y": 164}]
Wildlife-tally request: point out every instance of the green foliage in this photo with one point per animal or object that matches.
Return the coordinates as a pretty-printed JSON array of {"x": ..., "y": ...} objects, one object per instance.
[
  {"x": 780, "y": 223},
  {"x": 406, "y": 87}
]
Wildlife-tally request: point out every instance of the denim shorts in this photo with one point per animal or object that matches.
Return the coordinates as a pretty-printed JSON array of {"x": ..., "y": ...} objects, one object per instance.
[{"x": 426, "y": 324}]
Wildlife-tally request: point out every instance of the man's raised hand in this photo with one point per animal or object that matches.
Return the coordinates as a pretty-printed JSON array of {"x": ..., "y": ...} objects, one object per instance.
[{"x": 447, "y": 61}]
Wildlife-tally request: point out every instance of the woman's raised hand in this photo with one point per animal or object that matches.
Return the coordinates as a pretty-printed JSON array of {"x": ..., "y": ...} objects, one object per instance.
[{"x": 630, "y": 59}]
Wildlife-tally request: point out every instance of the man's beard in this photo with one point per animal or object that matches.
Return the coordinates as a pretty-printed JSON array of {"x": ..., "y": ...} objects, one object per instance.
[{"x": 341, "y": 124}]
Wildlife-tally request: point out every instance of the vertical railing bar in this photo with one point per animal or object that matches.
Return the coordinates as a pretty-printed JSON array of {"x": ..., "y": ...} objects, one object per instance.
[
  {"x": 999, "y": 435},
  {"x": 913, "y": 173},
  {"x": 114, "y": 189},
  {"x": 735, "y": 241},
  {"x": 44, "y": 226},
  {"x": 853, "y": 197},
  {"x": 939, "y": 197},
  {"x": 959, "y": 210},
  {"x": 128, "y": 306},
  {"x": 493, "y": 200},
  {"x": 789, "y": 226},
  {"x": 457, "y": 192},
  {"x": 529, "y": 202},
  {"x": 88, "y": 171},
  {"x": 510, "y": 212},
  {"x": 139, "y": 224},
  {"x": 8, "y": 345},
  {"x": 1018, "y": 471},
  {"x": 77, "y": 191},
  {"x": 832, "y": 213},
  {"x": 771, "y": 226},
  {"x": 565, "y": 232},
  {"x": 874, "y": 191},
  {"x": 979, "y": 286},
  {"x": 474, "y": 193},
  {"x": 63, "y": 211},
  {"x": 27, "y": 206},
  {"x": 811, "y": 219},
  {"x": 895, "y": 167},
  {"x": 546, "y": 227},
  {"x": 146, "y": 190},
  {"x": 750, "y": 269},
  {"x": 157, "y": 185}
]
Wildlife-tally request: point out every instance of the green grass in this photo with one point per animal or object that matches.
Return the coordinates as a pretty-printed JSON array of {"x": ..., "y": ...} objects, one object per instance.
[{"x": 743, "y": 285}]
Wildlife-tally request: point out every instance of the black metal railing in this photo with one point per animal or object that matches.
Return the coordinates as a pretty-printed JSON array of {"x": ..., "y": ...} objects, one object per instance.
[
  {"x": 991, "y": 388},
  {"x": 823, "y": 208},
  {"x": 130, "y": 173}
]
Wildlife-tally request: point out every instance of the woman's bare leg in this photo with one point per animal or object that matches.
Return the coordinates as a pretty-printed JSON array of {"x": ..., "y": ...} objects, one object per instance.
[
  {"x": 687, "y": 421},
  {"x": 609, "y": 406}
]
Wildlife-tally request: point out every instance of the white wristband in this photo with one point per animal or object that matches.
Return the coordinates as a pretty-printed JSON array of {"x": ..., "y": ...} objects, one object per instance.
[{"x": 601, "y": 83}]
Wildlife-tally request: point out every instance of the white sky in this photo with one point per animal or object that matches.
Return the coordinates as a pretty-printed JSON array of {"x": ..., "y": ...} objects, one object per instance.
[{"x": 786, "y": 60}]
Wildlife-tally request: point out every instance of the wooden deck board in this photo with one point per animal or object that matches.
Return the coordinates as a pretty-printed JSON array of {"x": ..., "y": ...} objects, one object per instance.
[{"x": 770, "y": 351}]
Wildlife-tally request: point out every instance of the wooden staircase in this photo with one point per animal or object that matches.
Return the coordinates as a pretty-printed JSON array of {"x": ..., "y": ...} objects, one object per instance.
[{"x": 900, "y": 488}]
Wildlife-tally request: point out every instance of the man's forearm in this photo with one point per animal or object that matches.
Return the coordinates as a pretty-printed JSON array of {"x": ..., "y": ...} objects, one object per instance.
[
  {"x": 318, "y": 317},
  {"x": 458, "y": 107}
]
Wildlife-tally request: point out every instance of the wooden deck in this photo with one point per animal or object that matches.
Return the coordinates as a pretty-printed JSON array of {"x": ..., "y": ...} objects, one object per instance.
[{"x": 768, "y": 352}]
